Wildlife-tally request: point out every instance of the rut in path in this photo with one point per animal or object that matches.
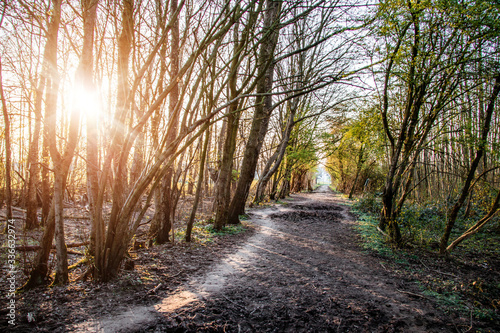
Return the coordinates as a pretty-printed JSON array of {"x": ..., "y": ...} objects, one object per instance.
[{"x": 302, "y": 271}]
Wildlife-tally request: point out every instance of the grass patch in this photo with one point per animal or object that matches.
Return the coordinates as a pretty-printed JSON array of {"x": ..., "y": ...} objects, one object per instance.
[
  {"x": 204, "y": 232},
  {"x": 449, "y": 301},
  {"x": 372, "y": 239},
  {"x": 227, "y": 230}
]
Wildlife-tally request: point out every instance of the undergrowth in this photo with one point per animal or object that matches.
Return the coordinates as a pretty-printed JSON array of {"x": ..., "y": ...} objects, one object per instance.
[
  {"x": 470, "y": 288},
  {"x": 204, "y": 232}
]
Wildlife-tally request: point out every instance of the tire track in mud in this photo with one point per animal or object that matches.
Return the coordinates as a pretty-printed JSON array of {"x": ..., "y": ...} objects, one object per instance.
[{"x": 301, "y": 271}]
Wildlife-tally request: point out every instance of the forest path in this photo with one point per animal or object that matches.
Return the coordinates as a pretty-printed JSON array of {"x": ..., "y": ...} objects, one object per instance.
[{"x": 301, "y": 271}]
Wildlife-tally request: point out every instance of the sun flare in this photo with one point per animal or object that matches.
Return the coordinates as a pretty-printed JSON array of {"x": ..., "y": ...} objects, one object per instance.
[{"x": 87, "y": 101}]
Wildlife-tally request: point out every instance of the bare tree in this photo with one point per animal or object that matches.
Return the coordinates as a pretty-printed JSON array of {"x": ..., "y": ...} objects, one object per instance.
[
  {"x": 39, "y": 273},
  {"x": 262, "y": 111}
]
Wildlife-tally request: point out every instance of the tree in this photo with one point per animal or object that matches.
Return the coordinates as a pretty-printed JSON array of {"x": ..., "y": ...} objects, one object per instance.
[
  {"x": 225, "y": 175},
  {"x": 165, "y": 209},
  {"x": 123, "y": 223},
  {"x": 8, "y": 153},
  {"x": 39, "y": 273},
  {"x": 8, "y": 187},
  {"x": 262, "y": 111},
  {"x": 425, "y": 52},
  {"x": 453, "y": 212},
  {"x": 203, "y": 159}
]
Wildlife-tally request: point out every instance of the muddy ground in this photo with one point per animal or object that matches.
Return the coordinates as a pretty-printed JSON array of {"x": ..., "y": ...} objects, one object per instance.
[{"x": 298, "y": 268}]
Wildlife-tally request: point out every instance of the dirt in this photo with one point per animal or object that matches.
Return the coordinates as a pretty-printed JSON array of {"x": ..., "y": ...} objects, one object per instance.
[{"x": 299, "y": 269}]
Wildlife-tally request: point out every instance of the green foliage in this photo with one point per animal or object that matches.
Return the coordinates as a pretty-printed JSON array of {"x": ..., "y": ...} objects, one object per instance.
[
  {"x": 372, "y": 239},
  {"x": 423, "y": 224},
  {"x": 227, "y": 230},
  {"x": 356, "y": 145},
  {"x": 235, "y": 175},
  {"x": 302, "y": 151},
  {"x": 369, "y": 203},
  {"x": 450, "y": 301},
  {"x": 204, "y": 232}
]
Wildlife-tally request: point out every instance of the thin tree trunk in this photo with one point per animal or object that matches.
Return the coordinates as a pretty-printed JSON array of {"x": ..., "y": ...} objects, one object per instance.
[
  {"x": 62, "y": 161},
  {"x": 478, "y": 226},
  {"x": 166, "y": 208},
  {"x": 401, "y": 149},
  {"x": 453, "y": 212},
  {"x": 285, "y": 184},
  {"x": 199, "y": 184},
  {"x": 156, "y": 119},
  {"x": 112, "y": 247},
  {"x": 33, "y": 179},
  {"x": 231, "y": 123},
  {"x": 274, "y": 162},
  {"x": 359, "y": 165},
  {"x": 225, "y": 173},
  {"x": 40, "y": 271},
  {"x": 8, "y": 188},
  {"x": 89, "y": 8},
  {"x": 39, "y": 275}
]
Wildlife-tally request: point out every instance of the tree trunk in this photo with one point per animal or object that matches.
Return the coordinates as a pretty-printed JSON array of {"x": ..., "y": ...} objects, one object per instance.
[
  {"x": 33, "y": 179},
  {"x": 359, "y": 165},
  {"x": 223, "y": 190},
  {"x": 401, "y": 149},
  {"x": 8, "y": 188},
  {"x": 274, "y": 162},
  {"x": 156, "y": 119},
  {"x": 86, "y": 64},
  {"x": 262, "y": 111},
  {"x": 164, "y": 212},
  {"x": 61, "y": 276},
  {"x": 39, "y": 273},
  {"x": 62, "y": 161},
  {"x": 478, "y": 226},
  {"x": 285, "y": 184},
  {"x": 113, "y": 247},
  {"x": 199, "y": 184}
]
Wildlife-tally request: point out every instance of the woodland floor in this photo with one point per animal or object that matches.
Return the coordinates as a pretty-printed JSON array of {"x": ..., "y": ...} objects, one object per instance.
[{"x": 298, "y": 268}]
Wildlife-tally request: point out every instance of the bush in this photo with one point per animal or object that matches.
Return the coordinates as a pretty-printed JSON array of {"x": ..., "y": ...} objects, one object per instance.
[{"x": 370, "y": 204}]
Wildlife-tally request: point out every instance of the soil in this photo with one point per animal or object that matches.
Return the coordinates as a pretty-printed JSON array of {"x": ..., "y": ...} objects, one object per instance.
[{"x": 299, "y": 268}]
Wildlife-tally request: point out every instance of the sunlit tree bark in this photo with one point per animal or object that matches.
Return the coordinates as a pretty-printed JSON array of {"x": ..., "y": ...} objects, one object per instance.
[{"x": 85, "y": 74}]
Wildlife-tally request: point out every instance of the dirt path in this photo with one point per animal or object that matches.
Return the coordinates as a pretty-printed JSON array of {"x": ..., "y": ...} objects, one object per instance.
[{"x": 301, "y": 271}]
